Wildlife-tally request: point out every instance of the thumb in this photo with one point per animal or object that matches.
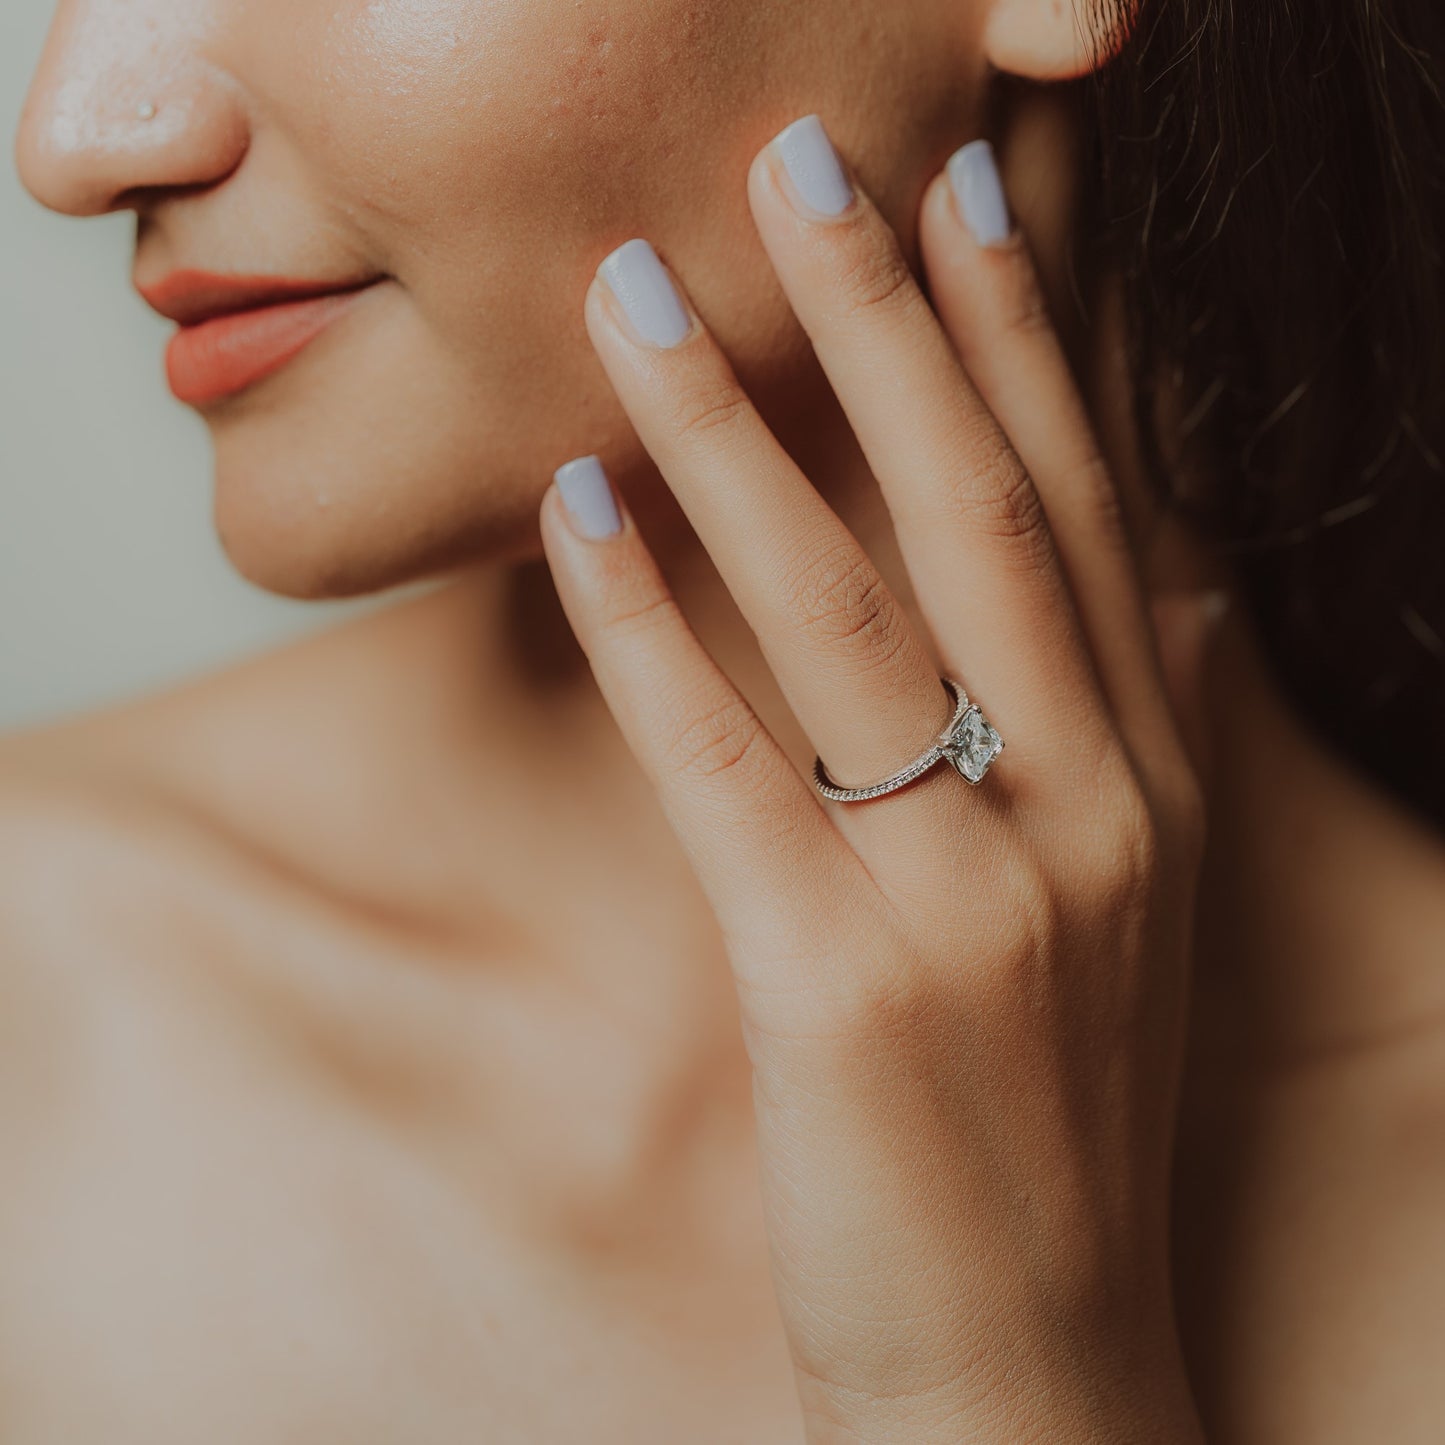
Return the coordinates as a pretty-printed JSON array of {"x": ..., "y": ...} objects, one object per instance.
[{"x": 1185, "y": 625}]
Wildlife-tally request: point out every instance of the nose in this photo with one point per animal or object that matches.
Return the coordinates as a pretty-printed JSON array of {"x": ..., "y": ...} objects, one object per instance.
[{"x": 123, "y": 105}]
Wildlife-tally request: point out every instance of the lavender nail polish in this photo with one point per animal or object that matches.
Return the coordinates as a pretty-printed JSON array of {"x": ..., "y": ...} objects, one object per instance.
[
  {"x": 587, "y": 495},
  {"x": 813, "y": 167},
  {"x": 644, "y": 290},
  {"x": 973, "y": 174}
]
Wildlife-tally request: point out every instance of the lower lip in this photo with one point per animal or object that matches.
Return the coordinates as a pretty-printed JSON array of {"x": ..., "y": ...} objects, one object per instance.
[{"x": 220, "y": 358}]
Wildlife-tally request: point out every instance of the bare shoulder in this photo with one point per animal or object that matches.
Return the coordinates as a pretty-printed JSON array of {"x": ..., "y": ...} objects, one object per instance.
[
  {"x": 109, "y": 814},
  {"x": 99, "y": 872},
  {"x": 124, "y": 905},
  {"x": 170, "y": 1144},
  {"x": 88, "y": 848}
]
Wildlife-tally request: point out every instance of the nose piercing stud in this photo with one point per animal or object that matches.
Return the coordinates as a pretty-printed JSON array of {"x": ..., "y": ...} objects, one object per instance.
[{"x": 146, "y": 111}]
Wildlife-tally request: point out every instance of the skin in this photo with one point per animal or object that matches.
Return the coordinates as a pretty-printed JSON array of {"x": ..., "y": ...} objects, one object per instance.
[
  {"x": 393, "y": 1060},
  {"x": 412, "y": 438}
]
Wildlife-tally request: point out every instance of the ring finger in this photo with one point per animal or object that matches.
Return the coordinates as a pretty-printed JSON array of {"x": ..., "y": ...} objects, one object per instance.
[
  {"x": 856, "y": 674},
  {"x": 970, "y": 523}
]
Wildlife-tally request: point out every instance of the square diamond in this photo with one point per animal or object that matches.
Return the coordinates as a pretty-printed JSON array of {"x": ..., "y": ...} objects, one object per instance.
[{"x": 975, "y": 744}]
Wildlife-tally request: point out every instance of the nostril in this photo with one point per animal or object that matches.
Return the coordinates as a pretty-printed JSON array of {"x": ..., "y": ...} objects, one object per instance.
[
  {"x": 76, "y": 177},
  {"x": 89, "y": 144},
  {"x": 142, "y": 199}
]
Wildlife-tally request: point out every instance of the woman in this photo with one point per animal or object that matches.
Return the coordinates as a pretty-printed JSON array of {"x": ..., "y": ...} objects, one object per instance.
[{"x": 403, "y": 1029}]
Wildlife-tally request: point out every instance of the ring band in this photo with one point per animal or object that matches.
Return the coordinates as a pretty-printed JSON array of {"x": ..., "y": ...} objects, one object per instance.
[{"x": 968, "y": 741}]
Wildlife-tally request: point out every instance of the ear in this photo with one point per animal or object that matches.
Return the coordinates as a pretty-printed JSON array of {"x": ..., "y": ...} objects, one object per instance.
[{"x": 1056, "y": 39}]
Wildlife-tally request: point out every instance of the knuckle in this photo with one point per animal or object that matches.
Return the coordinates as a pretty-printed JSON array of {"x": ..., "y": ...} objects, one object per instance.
[
  {"x": 841, "y": 600},
  {"x": 878, "y": 1010},
  {"x": 1114, "y": 844},
  {"x": 1026, "y": 313},
  {"x": 1017, "y": 975},
  {"x": 875, "y": 278},
  {"x": 1141, "y": 845},
  {"x": 725, "y": 741},
  {"x": 1130, "y": 861},
  {"x": 1093, "y": 484},
  {"x": 641, "y": 613},
  {"x": 707, "y": 407},
  {"x": 1037, "y": 923},
  {"x": 994, "y": 496}
]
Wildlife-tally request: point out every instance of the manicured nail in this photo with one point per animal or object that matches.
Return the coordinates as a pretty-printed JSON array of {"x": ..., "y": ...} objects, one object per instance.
[
  {"x": 646, "y": 294},
  {"x": 813, "y": 167},
  {"x": 588, "y": 497},
  {"x": 973, "y": 174}
]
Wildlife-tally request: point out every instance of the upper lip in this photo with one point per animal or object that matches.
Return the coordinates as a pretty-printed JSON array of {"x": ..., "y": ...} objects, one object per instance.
[{"x": 191, "y": 297}]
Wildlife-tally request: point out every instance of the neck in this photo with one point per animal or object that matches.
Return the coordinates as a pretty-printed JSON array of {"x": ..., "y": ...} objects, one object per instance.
[
  {"x": 488, "y": 663},
  {"x": 1322, "y": 905}
]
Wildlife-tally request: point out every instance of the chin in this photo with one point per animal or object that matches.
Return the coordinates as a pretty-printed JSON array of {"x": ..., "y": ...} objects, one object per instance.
[
  {"x": 363, "y": 466},
  {"x": 313, "y": 533},
  {"x": 313, "y": 511}
]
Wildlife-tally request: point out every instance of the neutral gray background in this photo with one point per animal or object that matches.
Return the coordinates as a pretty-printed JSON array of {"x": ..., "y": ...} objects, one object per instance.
[{"x": 111, "y": 580}]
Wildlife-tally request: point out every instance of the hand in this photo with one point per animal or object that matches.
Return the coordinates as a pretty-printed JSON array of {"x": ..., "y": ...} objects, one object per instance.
[{"x": 963, "y": 1006}]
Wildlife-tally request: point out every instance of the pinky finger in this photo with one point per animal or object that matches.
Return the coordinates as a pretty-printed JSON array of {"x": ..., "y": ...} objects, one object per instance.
[
  {"x": 988, "y": 295},
  {"x": 753, "y": 832}
]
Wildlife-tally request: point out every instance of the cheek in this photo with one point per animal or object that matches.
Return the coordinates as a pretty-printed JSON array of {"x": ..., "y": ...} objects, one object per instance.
[
  {"x": 488, "y": 154},
  {"x": 491, "y": 154},
  {"x": 449, "y": 125}
]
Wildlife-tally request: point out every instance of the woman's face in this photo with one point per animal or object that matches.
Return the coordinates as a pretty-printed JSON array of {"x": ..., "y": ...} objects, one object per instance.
[{"x": 475, "y": 160}]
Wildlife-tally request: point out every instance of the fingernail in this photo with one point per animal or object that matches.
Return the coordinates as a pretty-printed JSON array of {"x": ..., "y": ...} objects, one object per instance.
[
  {"x": 587, "y": 495},
  {"x": 646, "y": 294},
  {"x": 813, "y": 167},
  {"x": 973, "y": 174}
]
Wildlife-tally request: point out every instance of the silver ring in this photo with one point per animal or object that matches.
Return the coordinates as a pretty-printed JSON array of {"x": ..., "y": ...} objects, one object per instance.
[{"x": 968, "y": 741}]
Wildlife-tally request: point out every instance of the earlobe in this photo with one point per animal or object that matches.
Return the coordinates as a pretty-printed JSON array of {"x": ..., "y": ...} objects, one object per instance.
[{"x": 1056, "y": 39}]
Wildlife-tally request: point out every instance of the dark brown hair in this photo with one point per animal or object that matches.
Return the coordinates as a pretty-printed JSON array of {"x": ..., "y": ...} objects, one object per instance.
[{"x": 1269, "y": 175}]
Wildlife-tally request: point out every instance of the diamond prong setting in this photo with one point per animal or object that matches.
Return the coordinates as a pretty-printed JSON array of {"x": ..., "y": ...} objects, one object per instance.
[{"x": 972, "y": 744}]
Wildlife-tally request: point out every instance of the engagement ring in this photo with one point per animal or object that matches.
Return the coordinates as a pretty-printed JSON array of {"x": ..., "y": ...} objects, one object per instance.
[{"x": 969, "y": 741}]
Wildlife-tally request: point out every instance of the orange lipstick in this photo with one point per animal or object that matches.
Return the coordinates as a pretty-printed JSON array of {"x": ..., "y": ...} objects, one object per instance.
[{"x": 235, "y": 330}]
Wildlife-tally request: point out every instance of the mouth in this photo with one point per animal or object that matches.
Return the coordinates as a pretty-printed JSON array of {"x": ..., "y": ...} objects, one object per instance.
[{"x": 235, "y": 330}]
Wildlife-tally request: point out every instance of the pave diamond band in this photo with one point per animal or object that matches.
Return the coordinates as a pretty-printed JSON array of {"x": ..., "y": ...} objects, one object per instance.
[{"x": 968, "y": 741}]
